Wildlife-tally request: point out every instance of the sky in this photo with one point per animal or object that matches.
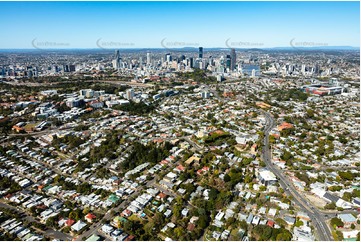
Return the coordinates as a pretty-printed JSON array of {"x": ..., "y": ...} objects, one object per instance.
[{"x": 178, "y": 24}]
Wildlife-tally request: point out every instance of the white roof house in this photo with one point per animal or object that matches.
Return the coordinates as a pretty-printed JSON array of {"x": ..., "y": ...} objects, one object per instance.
[
  {"x": 272, "y": 212},
  {"x": 267, "y": 177},
  {"x": 78, "y": 226},
  {"x": 106, "y": 228},
  {"x": 347, "y": 218},
  {"x": 219, "y": 216}
]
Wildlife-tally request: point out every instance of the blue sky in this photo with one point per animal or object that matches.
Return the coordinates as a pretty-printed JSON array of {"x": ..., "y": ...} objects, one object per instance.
[{"x": 208, "y": 24}]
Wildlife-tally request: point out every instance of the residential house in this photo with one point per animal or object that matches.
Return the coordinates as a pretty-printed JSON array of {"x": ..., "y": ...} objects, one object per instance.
[
  {"x": 348, "y": 219},
  {"x": 90, "y": 217},
  {"x": 78, "y": 226}
]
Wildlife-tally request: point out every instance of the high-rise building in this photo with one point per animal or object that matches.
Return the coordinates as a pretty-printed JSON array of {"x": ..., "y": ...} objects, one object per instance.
[
  {"x": 317, "y": 69},
  {"x": 200, "y": 52},
  {"x": 117, "y": 54},
  {"x": 228, "y": 61},
  {"x": 71, "y": 68},
  {"x": 130, "y": 94},
  {"x": 210, "y": 60},
  {"x": 196, "y": 63},
  {"x": 30, "y": 73},
  {"x": 253, "y": 73},
  {"x": 88, "y": 93},
  {"x": 233, "y": 59},
  {"x": 303, "y": 69},
  {"x": 168, "y": 58},
  {"x": 191, "y": 63},
  {"x": 54, "y": 68},
  {"x": 117, "y": 60},
  {"x": 205, "y": 94},
  {"x": 148, "y": 59},
  {"x": 3, "y": 71}
]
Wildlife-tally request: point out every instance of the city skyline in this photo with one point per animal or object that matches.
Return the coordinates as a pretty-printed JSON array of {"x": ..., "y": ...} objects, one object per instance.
[{"x": 161, "y": 25}]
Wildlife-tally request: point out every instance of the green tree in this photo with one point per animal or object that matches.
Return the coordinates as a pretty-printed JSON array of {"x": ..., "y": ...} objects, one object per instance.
[
  {"x": 337, "y": 222},
  {"x": 347, "y": 196},
  {"x": 212, "y": 194},
  {"x": 339, "y": 235},
  {"x": 52, "y": 221},
  {"x": 355, "y": 193},
  {"x": 203, "y": 221},
  {"x": 330, "y": 206},
  {"x": 86, "y": 210},
  {"x": 286, "y": 156},
  {"x": 284, "y": 236},
  {"x": 298, "y": 223},
  {"x": 226, "y": 178},
  {"x": 179, "y": 231},
  {"x": 346, "y": 175},
  {"x": 262, "y": 232},
  {"x": 281, "y": 222}
]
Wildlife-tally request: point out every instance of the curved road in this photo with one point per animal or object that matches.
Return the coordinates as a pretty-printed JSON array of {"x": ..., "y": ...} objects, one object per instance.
[{"x": 321, "y": 228}]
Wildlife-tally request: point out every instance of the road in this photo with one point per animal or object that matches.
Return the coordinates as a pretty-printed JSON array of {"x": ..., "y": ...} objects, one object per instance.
[{"x": 322, "y": 230}]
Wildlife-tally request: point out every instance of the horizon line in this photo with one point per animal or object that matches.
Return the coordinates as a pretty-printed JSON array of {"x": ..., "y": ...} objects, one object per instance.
[{"x": 182, "y": 48}]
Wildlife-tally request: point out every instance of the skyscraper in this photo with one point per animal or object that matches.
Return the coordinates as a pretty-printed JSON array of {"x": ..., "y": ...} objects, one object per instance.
[
  {"x": 228, "y": 61},
  {"x": 130, "y": 94},
  {"x": 117, "y": 60},
  {"x": 3, "y": 71},
  {"x": 317, "y": 69},
  {"x": 168, "y": 57},
  {"x": 210, "y": 60},
  {"x": 71, "y": 68},
  {"x": 233, "y": 59},
  {"x": 191, "y": 63},
  {"x": 253, "y": 73},
  {"x": 117, "y": 54},
  {"x": 205, "y": 94},
  {"x": 148, "y": 59},
  {"x": 303, "y": 69},
  {"x": 66, "y": 68},
  {"x": 200, "y": 52}
]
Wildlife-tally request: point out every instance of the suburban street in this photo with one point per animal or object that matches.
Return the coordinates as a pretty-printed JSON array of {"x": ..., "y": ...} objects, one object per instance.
[
  {"x": 322, "y": 230},
  {"x": 49, "y": 232}
]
